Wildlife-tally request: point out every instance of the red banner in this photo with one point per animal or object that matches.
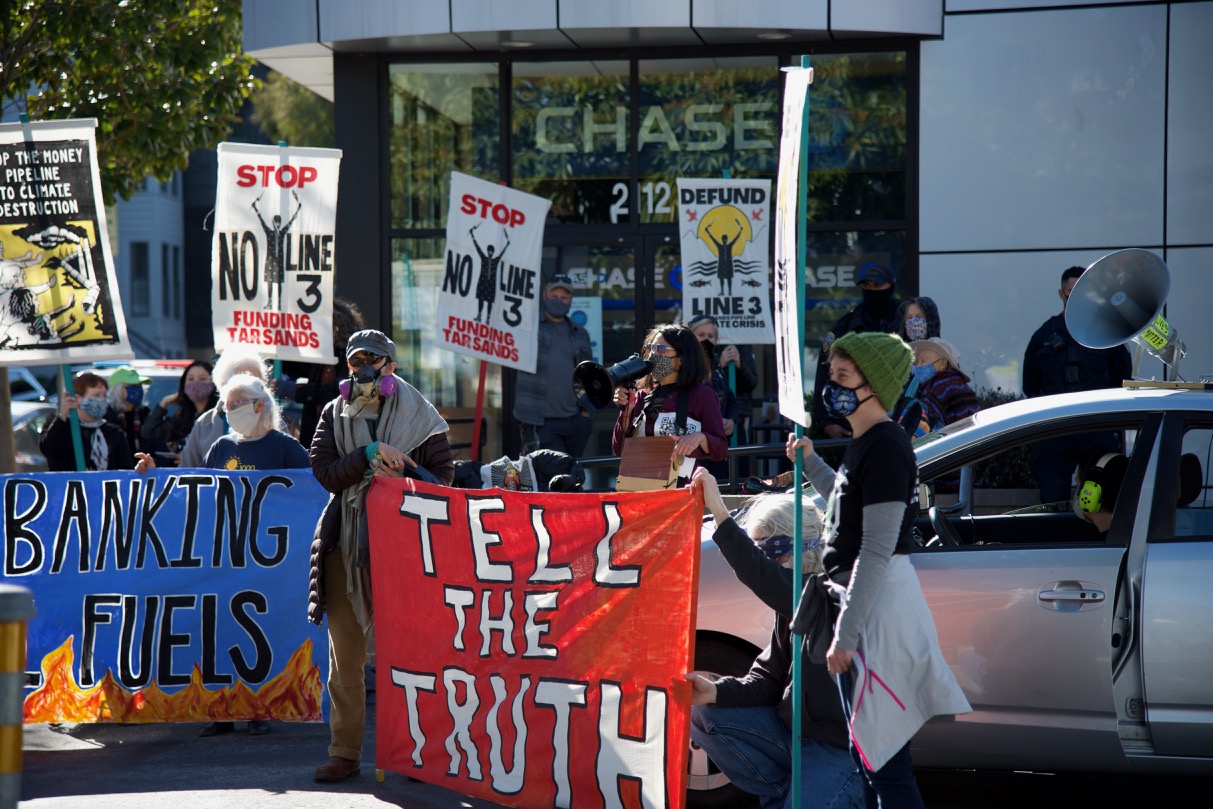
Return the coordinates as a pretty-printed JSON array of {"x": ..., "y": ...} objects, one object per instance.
[{"x": 530, "y": 648}]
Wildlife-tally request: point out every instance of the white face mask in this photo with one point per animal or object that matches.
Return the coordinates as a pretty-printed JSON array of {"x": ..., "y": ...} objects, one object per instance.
[{"x": 244, "y": 420}]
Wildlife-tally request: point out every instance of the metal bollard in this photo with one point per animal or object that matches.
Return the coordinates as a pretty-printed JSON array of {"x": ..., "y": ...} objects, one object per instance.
[{"x": 16, "y": 610}]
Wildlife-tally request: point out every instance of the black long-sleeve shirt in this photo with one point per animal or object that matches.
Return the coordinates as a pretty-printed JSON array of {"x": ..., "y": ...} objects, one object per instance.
[{"x": 769, "y": 681}]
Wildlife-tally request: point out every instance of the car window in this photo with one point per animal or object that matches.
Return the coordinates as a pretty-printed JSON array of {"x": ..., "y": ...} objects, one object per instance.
[
  {"x": 1020, "y": 490},
  {"x": 1194, "y": 504}
]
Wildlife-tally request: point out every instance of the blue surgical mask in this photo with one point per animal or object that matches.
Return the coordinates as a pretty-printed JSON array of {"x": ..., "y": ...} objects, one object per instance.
[
  {"x": 840, "y": 401},
  {"x": 134, "y": 395},
  {"x": 924, "y": 373},
  {"x": 916, "y": 328}
]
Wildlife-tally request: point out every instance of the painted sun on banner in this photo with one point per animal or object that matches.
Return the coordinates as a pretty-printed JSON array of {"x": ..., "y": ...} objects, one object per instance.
[
  {"x": 488, "y": 306},
  {"x": 723, "y": 226},
  {"x": 274, "y": 251},
  {"x": 59, "y": 299},
  {"x": 549, "y": 668}
]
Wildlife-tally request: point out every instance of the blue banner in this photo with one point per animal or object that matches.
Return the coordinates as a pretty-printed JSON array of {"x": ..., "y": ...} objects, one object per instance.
[{"x": 178, "y": 596}]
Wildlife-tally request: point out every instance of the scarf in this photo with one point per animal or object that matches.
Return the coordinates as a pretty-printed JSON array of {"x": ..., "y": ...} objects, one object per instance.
[
  {"x": 99, "y": 448},
  {"x": 404, "y": 420}
]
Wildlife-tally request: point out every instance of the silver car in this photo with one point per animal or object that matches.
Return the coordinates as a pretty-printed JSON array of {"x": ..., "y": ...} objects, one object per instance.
[{"x": 1078, "y": 651}]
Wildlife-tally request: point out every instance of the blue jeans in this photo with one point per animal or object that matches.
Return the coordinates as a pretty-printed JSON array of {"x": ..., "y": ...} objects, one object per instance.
[
  {"x": 753, "y": 747},
  {"x": 892, "y": 786}
]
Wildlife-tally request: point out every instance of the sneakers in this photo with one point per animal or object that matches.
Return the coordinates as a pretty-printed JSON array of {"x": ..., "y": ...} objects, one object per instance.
[{"x": 337, "y": 769}]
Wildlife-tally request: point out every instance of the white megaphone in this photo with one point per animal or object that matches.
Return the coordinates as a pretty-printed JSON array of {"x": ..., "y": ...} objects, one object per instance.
[{"x": 1119, "y": 299}]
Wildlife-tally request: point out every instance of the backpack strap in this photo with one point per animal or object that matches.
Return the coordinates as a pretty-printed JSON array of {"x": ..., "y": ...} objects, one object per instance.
[{"x": 681, "y": 408}]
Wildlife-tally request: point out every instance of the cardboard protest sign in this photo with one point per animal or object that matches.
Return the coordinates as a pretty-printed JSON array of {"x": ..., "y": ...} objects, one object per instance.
[
  {"x": 789, "y": 295},
  {"x": 167, "y": 597},
  {"x": 274, "y": 251},
  {"x": 531, "y": 647},
  {"x": 488, "y": 307},
  {"x": 59, "y": 298},
  {"x": 722, "y": 226}
]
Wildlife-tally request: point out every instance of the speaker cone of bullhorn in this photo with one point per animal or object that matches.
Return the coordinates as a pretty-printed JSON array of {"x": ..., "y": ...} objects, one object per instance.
[
  {"x": 1120, "y": 299},
  {"x": 594, "y": 385}
]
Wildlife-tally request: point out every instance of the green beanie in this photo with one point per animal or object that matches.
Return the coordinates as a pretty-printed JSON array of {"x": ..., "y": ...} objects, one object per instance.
[{"x": 883, "y": 359}]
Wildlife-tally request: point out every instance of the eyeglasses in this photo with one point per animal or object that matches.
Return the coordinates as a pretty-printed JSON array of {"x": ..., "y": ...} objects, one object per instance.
[
  {"x": 358, "y": 360},
  {"x": 658, "y": 348},
  {"x": 235, "y": 403}
]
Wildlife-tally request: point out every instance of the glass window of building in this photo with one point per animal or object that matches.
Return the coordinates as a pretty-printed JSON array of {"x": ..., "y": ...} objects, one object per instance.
[
  {"x": 857, "y": 196},
  {"x": 141, "y": 293},
  {"x": 570, "y": 137},
  {"x": 606, "y": 141},
  {"x": 443, "y": 118},
  {"x": 703, "y": 117}
]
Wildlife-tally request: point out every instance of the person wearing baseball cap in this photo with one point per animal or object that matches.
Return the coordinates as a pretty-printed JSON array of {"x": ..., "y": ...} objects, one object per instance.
[
  {"x": 877, "y": 312},
  {"x": 127, "y": 389},
  {"x": 943, "y": 388},
  {"x": 548, "y": 413},
  {"x": 872, "y": 503},
  {"x": 378, "y": 426}
]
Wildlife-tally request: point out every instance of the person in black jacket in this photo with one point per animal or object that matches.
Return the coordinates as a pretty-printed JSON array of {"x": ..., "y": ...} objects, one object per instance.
[
  {"x": 744, "y": 723},
  {"x": 877, "y": 312},
  {"x": 104, "y": 443},
  {"x": 379, "y": 425},
  {"x": 1055, "y": 362}
]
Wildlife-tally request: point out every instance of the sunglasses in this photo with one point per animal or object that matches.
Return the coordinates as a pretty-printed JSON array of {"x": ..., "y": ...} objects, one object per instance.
[
  {"x": 358, "y": 360},
  {"x": 658, "y": 348}
]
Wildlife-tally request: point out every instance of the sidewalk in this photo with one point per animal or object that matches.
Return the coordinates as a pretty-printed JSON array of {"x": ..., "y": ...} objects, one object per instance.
[{"x": 107, "y": 766}]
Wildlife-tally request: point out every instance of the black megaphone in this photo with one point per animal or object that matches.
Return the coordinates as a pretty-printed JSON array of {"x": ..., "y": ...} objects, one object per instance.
[{"x": 594, "y": 386}]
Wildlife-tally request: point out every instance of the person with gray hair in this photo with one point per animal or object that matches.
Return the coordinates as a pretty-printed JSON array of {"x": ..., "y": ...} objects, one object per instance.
[
  {"x": 744, "y": 724},
  {"x": 255, "y": 440},
  {"x": 254, "y": 443},
  {"x": 235, "y": 359}
]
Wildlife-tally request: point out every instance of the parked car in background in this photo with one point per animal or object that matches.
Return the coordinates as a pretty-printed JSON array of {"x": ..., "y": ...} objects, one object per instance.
[
  {"x": 28, "y": 421},
  {"x": 24, "y": 386},
  {"x": 1079, "y": 651}
]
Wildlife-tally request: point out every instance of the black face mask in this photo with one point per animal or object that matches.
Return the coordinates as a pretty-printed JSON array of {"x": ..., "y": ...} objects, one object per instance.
[
  {"x": 709, "y": 348},
  {"x": 878, "y": 300}
]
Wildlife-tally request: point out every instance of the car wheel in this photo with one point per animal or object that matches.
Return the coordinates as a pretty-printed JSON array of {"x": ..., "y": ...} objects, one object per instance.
[{"x": 707, "y": 786}]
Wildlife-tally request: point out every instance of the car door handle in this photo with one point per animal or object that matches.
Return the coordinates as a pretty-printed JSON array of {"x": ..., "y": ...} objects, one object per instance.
[{"x": 1071, "y": 595}]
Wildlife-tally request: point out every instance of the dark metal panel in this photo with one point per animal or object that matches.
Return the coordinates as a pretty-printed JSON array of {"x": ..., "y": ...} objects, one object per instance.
[{"x": 361, "y": 262}]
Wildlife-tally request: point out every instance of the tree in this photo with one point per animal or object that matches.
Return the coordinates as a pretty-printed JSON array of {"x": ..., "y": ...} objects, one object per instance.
[
  {"x": 162, "y": 77},
  {"x": 288, "y": 111}
]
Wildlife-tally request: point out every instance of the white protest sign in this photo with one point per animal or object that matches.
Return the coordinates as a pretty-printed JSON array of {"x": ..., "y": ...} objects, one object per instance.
[
  {"x": 59, "y": 296},
  {"x": 789, "y": 296},
  {"x": 274, "y": 250},
  {"x": 488, "y": 306}
]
